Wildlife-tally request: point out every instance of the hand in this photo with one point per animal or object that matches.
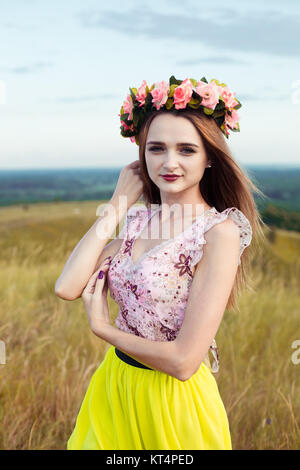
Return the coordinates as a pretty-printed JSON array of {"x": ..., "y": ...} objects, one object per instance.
[
  {"x": 130, "y": 183},
  {"x": 94, "y": 297}
]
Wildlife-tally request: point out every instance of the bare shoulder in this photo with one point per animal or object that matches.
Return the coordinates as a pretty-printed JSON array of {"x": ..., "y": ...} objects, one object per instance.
[
  {"x": 223, "y": 231},
  {"x": 222, "y": 244}
]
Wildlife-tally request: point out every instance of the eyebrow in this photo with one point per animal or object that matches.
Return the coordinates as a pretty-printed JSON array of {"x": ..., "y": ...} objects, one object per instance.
[{"x": 181, "y": 143}]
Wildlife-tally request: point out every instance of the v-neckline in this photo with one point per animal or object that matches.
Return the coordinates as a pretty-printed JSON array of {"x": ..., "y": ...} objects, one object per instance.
[{"x": 159, "y": 245}]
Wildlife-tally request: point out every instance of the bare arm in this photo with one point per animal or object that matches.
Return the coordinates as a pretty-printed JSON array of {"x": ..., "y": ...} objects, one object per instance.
[
  {"x": 91, "y": 249},
  {"x": 211, "y": 287},
  {"x": 159, "y": 355},
  {"x": 87, "y": 254}
]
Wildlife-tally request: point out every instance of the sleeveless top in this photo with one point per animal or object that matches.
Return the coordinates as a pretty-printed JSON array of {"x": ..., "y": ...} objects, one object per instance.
[{"x": 152, "y": 293}]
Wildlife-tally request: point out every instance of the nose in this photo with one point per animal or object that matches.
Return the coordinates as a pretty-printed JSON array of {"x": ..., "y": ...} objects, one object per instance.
[{"x": 170, "y": 161}]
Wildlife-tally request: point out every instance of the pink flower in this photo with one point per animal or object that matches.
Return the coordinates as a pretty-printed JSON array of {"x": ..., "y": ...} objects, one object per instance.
[
  {"x": 228, "y": 97},
  {"x": 232, "y": 120},
  {"x": 160, "y": 94},
  {"x": 132, "y": 139},
  {"x": 126, "y": 127},
  {"x": 226, "y": 129},
  {"x": 183, "y": 94},
  {"x": 209, "y": 93},
  {"x": 141, "y": 93},
  {"x": 127, "y": 106}
]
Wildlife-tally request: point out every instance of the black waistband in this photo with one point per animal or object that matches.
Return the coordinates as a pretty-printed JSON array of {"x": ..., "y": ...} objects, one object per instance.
[{"x": 129, "y": 360}]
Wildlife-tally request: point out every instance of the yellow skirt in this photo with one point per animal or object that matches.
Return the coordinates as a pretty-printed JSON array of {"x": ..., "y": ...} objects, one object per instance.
[{"x": 129, "y": 408}]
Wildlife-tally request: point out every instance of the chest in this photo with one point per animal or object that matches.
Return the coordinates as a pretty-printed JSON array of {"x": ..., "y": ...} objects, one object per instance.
[
  {"x": 162, "y": 275},
  {"x": 154, "y": 236}
]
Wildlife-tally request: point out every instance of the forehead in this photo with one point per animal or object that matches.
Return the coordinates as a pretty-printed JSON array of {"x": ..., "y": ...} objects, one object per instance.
[{"x": 169, "y": 128}]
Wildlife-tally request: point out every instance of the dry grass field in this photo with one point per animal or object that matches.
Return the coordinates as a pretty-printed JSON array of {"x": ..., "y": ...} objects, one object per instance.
[{"x": 51, "y": 353}]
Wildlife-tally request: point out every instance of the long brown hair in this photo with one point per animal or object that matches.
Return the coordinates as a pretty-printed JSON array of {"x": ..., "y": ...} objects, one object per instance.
[{"x": 223, "y": 185}]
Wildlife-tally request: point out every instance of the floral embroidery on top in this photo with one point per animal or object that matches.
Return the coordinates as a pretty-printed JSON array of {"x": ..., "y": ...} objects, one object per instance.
[
  {"x": 152, "y": 294},
  {"x": 170, "y": 334},
  {"x": 128, "y": 244},
  {"x": 124, "y": 314},
  {"x": 132, "y": 287},
  {"x": 183, "y": 265}
]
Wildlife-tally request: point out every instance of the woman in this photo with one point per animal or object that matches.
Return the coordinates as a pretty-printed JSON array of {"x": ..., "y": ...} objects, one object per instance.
[{"x": 155, "y": 388}]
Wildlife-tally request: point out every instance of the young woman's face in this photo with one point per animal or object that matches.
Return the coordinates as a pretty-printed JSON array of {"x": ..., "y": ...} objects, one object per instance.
[{"x": 174, "y": 146}]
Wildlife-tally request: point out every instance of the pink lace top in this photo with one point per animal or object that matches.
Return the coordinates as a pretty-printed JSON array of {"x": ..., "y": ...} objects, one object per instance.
[{"x": 152, "y": 293}]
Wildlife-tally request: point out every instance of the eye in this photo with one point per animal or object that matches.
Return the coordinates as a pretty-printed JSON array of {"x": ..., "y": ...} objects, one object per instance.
[
  {"x": 189, "y": 150},
  {"x": 186, "y": 149},
  {"x": 153, "y": 149}
]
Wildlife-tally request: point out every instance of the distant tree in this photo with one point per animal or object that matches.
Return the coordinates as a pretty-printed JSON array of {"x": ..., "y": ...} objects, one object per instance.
[{"x": 281, "y": 218}]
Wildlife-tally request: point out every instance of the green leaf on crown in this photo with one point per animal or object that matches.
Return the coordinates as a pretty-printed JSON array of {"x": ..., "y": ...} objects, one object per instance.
[
  {"x": 238, "y": 106},
  {"x": 148, "y": 100},
  {"x": 169, "y": 103},
  {"x": 219, "y": 120},
  {"x": 208, "y": 111},
  {"x": 124, "y": 117},
  {"x": 218, "y": 114},
  {"x": 130, "y": 133},
  {"x": 224, "y": 132},
  {"x": 137, "y": 114},
  {"x": 174, "y": 81},
  {"x": 220, "y": 106},
  {"x": 127, "y": 133},
  {"x": 194, "y": 103},
  {"x": 193, "y": 106},
  {"x": 194, "y": 82},
  {"x": 237, "y": 129},
  {"x": 132, "y": 94},
  {"x": 172, "y": 89},
  {"x": 196, "y": 96},
  {"x": 203, "y": 79}
]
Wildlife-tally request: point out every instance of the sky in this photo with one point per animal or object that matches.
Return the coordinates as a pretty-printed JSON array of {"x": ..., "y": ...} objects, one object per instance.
[{"x": 66, "y": 68}]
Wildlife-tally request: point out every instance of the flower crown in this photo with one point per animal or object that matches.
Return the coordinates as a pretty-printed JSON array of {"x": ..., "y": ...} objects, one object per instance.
[{"x": 214, "y": 99}]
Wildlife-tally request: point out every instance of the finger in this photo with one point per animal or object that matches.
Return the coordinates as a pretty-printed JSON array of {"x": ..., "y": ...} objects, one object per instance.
[
  {"x": 105, "y": 288},
  {"x": 92, "y": 281},
  {"x": 134, "y": 164},
  {"x": 100, "y": 282},
  {"x": 89, "y": 288}
]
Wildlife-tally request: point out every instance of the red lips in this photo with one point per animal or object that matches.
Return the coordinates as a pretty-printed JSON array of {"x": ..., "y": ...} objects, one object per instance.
[{"x": 170, "y": 178}]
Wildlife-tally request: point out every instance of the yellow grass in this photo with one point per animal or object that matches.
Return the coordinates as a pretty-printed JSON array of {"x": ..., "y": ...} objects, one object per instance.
[{"x": 51, "y": 354}]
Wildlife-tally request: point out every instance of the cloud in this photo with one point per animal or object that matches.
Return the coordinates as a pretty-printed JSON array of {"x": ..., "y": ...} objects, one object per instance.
[
  {"x": 213, "y": 60},
  {"x": 264, "y": 97},
  {"x": 30, "y": 68},
  {"x": 77, "y": 99},
  {"x": 258, "y": 31}
]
